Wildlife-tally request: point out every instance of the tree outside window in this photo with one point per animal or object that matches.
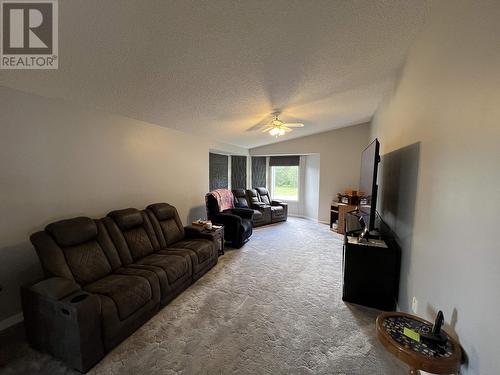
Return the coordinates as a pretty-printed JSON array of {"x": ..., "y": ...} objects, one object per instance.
[{"x": 285, "y": 182}]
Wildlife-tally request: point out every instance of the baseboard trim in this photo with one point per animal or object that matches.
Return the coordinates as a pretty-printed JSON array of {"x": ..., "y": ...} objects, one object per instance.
[{"x": 10, "y": 321}]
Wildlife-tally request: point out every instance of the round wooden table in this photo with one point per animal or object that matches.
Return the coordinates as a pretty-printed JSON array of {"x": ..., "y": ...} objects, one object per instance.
[{"x": 419, "y": 355}]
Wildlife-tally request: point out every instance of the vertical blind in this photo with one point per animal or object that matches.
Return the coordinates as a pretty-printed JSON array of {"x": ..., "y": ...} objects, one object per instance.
[
  {"x": 218, "y": 167},
  {"x": 238, "y": 172},
  {"x": 258, "y": 171}
]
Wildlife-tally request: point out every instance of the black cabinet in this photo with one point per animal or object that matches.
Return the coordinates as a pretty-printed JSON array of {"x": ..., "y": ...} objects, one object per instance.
[{"x": 370, "y": 272}]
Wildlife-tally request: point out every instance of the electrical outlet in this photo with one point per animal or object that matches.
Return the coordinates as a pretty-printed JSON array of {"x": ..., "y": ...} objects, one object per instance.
[{"x": 414, "y": 305}]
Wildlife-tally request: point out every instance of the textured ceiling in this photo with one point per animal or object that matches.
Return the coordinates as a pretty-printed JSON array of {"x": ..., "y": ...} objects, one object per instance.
[{"x": 218, "y": 68}]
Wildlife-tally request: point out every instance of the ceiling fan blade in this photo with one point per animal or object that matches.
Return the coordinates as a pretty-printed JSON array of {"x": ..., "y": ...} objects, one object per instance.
[
  {"x": 294, "y": 124},
  {"x": 259, "y": 125},
  {"x": 254, "y": 127},
  {"x": 266, "y": 129}
]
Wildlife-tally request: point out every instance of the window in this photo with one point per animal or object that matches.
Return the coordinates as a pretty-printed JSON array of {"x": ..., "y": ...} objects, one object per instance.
[{"x": 285, "y": 182}]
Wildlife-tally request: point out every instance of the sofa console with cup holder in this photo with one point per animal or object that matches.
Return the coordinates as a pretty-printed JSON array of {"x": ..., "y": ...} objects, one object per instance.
[{"x": 107, "y": 277}]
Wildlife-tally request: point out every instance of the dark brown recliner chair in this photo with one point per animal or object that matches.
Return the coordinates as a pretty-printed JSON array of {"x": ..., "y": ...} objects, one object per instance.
[
  {"x": 255, "y": 204},
  {"x": 105, "y": 278},
  {"x": 238, "y": 226},
  {"x": 261, "y": 213},
  {"x": 279, "y": 210}
]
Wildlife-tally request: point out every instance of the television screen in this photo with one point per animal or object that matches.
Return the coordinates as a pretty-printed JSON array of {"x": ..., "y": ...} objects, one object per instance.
[{"x": 368, "y": 183}]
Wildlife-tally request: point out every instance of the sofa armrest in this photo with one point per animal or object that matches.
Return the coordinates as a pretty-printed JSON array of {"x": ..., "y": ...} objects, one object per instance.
[
  {"x": 227, "y": 219},
  {"x": 55, "y": 288},
  {"x": 258, "y": 205},
  {"x": 244, "y": 213},
  {"x": 196, "y": 231},
  {"x": 278, "y": 203},
  {"x": 62, "y": 319}
]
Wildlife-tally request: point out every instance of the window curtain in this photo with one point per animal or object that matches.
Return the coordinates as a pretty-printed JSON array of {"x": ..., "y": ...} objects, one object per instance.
[
  {"x": 238, "y": 172},
  {"x": 284, "y": 161},
  {"x": 218, "y": 167},
  {"x": 258, "y": 171}
]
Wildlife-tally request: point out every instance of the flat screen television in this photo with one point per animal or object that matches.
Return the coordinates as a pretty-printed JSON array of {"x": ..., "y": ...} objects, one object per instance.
[{"x": 368, "y": 183}]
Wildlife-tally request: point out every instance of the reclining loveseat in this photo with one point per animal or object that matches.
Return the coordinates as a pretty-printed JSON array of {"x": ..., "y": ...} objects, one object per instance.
[
  {"x": 107, "y": 277},
  {"x": 261, "y": 211},
  {"x": 279, "y": 209}
]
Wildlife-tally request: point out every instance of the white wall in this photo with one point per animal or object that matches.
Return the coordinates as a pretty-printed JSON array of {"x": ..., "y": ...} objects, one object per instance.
[
  {"x": 440, "y": 178},
  {"x": 340, "y": 157},
  {"x": 310, "y": 206},
  {"x": 59, "y": 161}
]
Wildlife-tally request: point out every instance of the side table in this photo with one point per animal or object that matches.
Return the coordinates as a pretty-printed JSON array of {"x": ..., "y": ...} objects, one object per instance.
[
  {"x": 419, "y": 355},
  {"x": 218, "y": 235}
]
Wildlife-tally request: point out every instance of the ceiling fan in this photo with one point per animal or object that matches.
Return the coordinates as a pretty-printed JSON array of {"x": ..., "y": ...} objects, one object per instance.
[{"x": 278, "y": 128}]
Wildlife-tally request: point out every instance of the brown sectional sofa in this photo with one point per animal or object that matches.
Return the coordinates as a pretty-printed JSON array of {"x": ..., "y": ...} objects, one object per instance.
[{"x": 107, "y": 277}]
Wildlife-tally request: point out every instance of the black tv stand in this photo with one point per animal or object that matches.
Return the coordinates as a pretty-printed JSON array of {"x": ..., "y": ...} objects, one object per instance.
[{"x": 370, "y": 268}]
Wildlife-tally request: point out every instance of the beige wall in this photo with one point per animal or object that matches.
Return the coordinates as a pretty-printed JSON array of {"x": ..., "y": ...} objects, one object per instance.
[
  {"x": 440, "y": 178},
  {"x": 59, "y": 161},
  {"x": 340, "y": 157},
  {"x": 310, "y": 205}
]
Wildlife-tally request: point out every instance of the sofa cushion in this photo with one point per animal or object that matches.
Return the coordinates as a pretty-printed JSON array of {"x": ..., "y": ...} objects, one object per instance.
[
  {"x": 169, "y": 222},
  {"x": 128, "y": 292},
  {"x": 72, "y": 231},
  {"x": 241, "y": 203},
  {"x": 175, "y": 266},
  {"x": 252, "y": 195},
  {"x": 162, "y": 211},
  {"x": 135, "y": 228},
  {"x": 79, "y": 240},
  {"x": 265, "y": 199},
  {"x": 127, "y": 218},
  {"x": 138, "y": 242},
  {"x": 203, "y": 249},
  {"x": 171, "y": 231},
  {"x": 87, "y": 262},
  {"x": 240, "y": 198}
]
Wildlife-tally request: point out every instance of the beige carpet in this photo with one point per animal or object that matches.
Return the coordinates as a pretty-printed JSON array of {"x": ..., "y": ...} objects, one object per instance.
[{"x": 272, "y": 307}]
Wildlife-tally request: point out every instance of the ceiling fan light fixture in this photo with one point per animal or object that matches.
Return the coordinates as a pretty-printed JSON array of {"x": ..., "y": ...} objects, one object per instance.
[
  {"x": 276, "y": 132},
  {"x": 278, "y": 128}
]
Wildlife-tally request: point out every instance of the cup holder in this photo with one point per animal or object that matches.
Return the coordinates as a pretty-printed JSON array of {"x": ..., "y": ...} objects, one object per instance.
[{"x": 78, "y": 298}]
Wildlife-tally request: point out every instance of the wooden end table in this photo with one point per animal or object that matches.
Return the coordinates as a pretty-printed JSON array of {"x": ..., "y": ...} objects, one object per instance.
[
  {"x": 419, "y": 355},
  {"x": 218, "y": 235}
]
